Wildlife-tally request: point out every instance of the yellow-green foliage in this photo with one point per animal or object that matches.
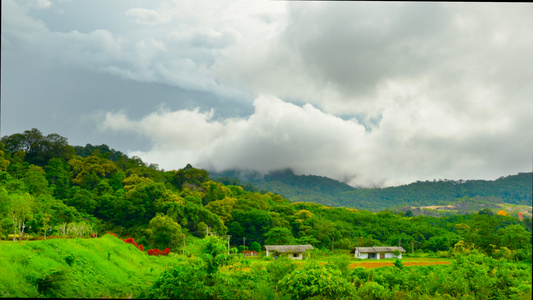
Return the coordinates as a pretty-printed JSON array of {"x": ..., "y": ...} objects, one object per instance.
[{"x": 74, "y": 268}]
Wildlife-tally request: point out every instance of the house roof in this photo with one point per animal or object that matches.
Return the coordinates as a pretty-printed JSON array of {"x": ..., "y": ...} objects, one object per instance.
[
  {"x": 377, "y": 249},
  {"x": 289, "y": 248}
]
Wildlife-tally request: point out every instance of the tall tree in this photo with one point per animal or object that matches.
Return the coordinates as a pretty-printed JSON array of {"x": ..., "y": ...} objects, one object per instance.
[{"x": 21, "y": 209}]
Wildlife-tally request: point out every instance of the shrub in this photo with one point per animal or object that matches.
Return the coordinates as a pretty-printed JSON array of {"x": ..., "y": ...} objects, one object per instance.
[
  {"x": 313, "y": 281},
  {"x": 373, "y": 290}
]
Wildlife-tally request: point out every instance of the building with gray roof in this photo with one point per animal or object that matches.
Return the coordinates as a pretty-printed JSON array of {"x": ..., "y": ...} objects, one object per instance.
[
  {"x": 377, "y": 252},
  {"x": 294, "y": 251}
]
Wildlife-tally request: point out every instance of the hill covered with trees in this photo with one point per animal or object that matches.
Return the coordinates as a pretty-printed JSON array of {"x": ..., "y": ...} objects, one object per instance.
[
  {"x": 513, "y": 189},
  {"x": 48, "y": 187}
]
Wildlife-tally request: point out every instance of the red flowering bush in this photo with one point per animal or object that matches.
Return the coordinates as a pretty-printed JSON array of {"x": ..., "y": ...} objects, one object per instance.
[
  {"x": 157, "y": 252},
  {"x": 131, "y": 241}
]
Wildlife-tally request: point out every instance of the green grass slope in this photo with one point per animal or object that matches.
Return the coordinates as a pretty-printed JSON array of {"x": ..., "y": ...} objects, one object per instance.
[{"x": 75, "y": 268}]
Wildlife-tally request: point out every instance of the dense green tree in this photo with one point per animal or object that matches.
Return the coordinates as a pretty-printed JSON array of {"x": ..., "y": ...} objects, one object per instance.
[
  {"x": 35, "y": 180},
  {"x": 279, "y": 236},
  {"x": 58, "y": 177},
  {"x": 163, "y": 232},
  {"x": 255, "y": 246},
  {"x": 4, "y": 161},
  {"x": 189, "y": 177},
  {"x": 83, "y": 200},
  {"x": 88, "y": 171},
  {"x": 515, "y": 237},
  {"x": 39, "y": 149}
]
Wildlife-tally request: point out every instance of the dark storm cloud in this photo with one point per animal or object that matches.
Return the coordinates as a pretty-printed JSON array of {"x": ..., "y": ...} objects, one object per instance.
[
  {"x": 370, "y": 93},
  {"x": 358, "y": 45},
  {"x": 62, "y": 68}
]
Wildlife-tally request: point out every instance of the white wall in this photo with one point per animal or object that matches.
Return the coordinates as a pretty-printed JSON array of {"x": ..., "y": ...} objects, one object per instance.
[
  {"x": 391, "y": 255},
  {"x": 360, "y": 255}
]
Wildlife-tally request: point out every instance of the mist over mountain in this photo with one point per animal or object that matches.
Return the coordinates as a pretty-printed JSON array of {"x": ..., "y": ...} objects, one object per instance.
[{"x": 512, "y": 189}]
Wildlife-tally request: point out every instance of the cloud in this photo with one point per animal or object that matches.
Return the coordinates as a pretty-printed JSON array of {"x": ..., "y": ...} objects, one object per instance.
[
  {"x": 176, "y": 54},
  {"x": 343, "y": 57},
  {"x": 370, "y": 93},
  {"x": 147, "y": 16},
  {"x": 409, "y": 144}
]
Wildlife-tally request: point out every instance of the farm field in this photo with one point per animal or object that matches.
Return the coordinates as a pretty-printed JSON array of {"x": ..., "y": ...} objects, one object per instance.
[
  {"x": 407, "y": 262},
  {"x": 352, "y": 263}
]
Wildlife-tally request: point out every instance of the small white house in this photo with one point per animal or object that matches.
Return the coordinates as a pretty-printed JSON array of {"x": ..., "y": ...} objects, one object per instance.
[
  {"x": 294, "y": 251},
  {"x": 377, "y": 252}
]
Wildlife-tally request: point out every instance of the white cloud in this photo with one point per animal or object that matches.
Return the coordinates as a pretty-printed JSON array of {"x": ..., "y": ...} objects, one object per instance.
[
  {"x": 147, "y": 16},
  {"x": 40, "y": 4},
  {"x": 341, "y": 56},
  {"x": 410, "y": 143}
]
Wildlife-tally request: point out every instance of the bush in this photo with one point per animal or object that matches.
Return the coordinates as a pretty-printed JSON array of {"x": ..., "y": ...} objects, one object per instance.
[
  {"x": 280, "y": 267},
  {"x": 314, "y": 280},
  {"x": 373, "y": 290}
]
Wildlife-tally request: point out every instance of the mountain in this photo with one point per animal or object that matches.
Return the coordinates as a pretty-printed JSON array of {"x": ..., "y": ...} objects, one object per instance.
[
  {"x": 513, "y": 189},
  {"x": 297, "y": 188}
]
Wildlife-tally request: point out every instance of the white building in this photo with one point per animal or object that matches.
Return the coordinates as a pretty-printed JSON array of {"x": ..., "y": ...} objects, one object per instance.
[
  {"x": 377, "y": 252},
  {"x": 294, "y": 251}
]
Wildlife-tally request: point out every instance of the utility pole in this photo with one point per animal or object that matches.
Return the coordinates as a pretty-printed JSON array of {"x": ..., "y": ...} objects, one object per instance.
[
  {"x": 244, "y": 244},
  {"x": 228, "y": 243},
  {"x": 332, "y": 242},
  {"x": 412, "y": 246},
  {"x": 184, "y": 239},
  {"x": 207, "y": 231}
]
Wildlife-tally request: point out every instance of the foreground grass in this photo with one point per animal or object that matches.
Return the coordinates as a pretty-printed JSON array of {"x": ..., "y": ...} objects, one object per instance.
[{"x": 76, "y": 268}]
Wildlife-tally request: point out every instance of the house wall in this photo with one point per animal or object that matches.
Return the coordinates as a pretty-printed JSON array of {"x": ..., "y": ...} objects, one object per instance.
[
  {"x": 361, "y": 255},
  {"x": 391, "y": 255},
  {"x": 298, "y": 256}
]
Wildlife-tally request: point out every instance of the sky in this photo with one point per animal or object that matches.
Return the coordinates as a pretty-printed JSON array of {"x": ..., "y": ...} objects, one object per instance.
[{"x": 373, "y": 94}]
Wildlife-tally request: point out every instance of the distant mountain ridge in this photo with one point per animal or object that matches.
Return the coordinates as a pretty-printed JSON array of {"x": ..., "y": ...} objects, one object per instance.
[{"x": 513, "y": 189}]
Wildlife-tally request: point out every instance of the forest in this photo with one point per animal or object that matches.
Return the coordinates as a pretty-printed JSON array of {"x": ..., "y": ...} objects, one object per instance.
[
  {"x": 50, "y": 188},
  {"x": 513, "y": 189}
]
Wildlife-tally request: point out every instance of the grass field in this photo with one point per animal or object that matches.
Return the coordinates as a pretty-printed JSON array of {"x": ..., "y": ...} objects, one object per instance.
[{"x": 75, "y": 268}]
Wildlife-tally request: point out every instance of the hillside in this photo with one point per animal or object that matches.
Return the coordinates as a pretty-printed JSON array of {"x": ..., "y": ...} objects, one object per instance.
[
  {"x": 513, "y": 189},
  {"x": 468, "y": 205},
  {"x": 297, "y": 188},
  {"x": 75, "y": 268},
  {"x": 48, "y": 187}
]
